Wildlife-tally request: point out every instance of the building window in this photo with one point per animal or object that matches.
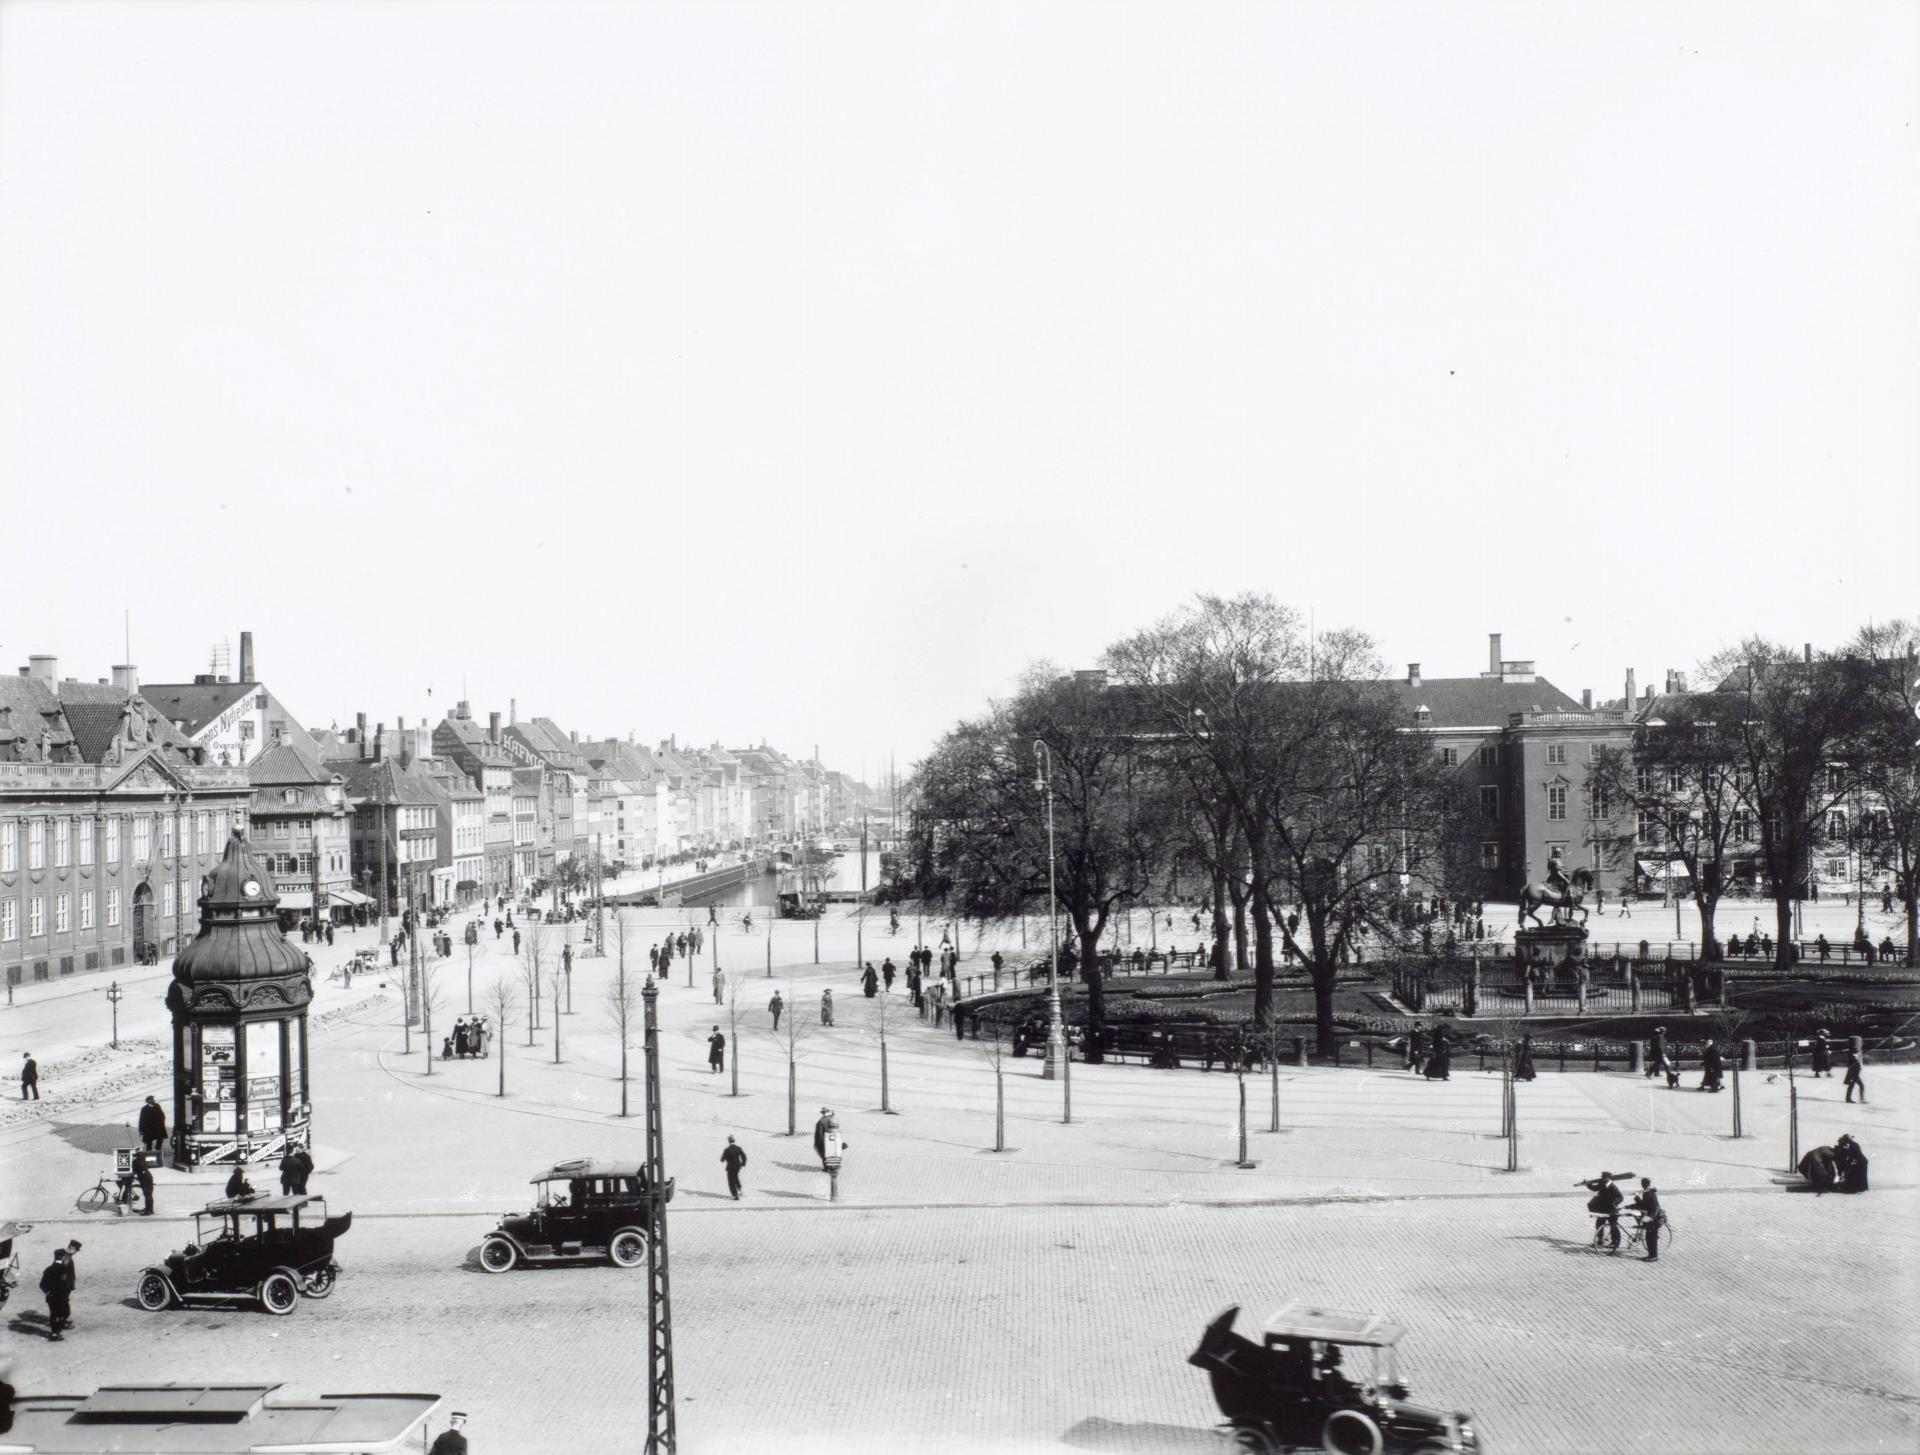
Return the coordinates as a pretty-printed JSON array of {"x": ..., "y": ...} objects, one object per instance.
[
  {"x": 1647, "y": 827},
  {"x": 1556, "y": 800},
  {"x": 36, "y": 843},
  {"x": 142, "y": 839},
  {"x": 1643, "y": 780},
  {"x": 1489, "y": 853},
  {"x": 1740, "y": 826},
  {"x": 62, "y": 842},
  {"x": 280, "y": 827},
  {"x": 36, "y": 917},
  {"x": 86, "y": 909},
  {"x": 1836, "y": 868},
  {"x": 1489, "y": 755},
  {"x": 9, "y": 846},
  {"x": 166, "y": 837},
  {"x": 1449, "y": 758},
  {"x": 113, "y": 906},
  {"x": 1599, "y": 802},
  {"x": 1489, "y": 800},
  {"x": 1836, "y": 780},
  {"x": 220, "y": 828},
  {"x": 86, "y": 842},
  {"x": 9, "y": 920},
  {"x": 1837, "y": 824},
  {"x": 1556, "y": 752},
  {"x": 113, "y": 841},
  {"x": 166, "y": 900},
  {"x": 202, "y": 826},
  {"x": 60, "y": 915},
  {"x": 1593, "y": 752}
]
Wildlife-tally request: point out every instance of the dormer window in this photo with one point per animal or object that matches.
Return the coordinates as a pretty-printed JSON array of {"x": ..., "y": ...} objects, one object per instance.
[
  {"x": 1422, "y": 714},
  {"x": 290, "y": 795}
]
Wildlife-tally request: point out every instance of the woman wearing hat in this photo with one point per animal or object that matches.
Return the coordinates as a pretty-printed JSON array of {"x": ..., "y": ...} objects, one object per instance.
[{"x": 1822, "y": 1053}]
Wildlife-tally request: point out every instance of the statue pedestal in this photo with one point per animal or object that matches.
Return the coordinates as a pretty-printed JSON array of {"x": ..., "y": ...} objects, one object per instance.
[{"x": 1549, "y": 950}]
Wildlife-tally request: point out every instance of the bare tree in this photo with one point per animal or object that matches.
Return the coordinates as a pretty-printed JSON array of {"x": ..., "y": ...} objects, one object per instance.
[
  {"x": 788, "y": 1038},
  {"x": 1887, "y": 763},
  {"x": 992, "y": 1047},
  {"x": 556, "y": 987},
  {"x": 622, "y": 1002},
  {"x": 733, "y": 1021},
  {"x": 430, "y": 999},
  {"x": 533, "y": 964},
  {"x": 880, "y": 1016},
  {"x": 502, "y": 1001}
]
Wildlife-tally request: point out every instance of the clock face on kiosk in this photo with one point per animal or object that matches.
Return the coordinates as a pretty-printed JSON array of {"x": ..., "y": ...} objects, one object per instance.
[{"x": 251, "y": 889}]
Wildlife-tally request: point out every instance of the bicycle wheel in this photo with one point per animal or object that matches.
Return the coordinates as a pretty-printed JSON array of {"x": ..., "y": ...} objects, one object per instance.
[{"x": 94, "y": 1199}]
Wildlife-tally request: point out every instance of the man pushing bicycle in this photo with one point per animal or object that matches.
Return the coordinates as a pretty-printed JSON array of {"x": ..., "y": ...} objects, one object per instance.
[{"x": 1605, "y": 1206}]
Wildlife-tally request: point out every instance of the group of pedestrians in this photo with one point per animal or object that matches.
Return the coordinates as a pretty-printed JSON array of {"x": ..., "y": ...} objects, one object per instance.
[{"x": 660, "y": 957}]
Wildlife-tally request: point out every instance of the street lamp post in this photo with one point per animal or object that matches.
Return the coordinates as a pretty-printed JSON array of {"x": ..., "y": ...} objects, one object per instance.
[
  {"x": 114, "y": 992},
  {"x": 1056, "y": 1037}
]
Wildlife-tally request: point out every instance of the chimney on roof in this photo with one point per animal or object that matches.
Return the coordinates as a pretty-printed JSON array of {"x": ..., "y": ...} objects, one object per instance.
[
  {"x": 513, "y": 710},
  {"x": 1493, "y": 654},
  {"x": 575, "y": 735},
  {"x": 493, "y": 727},
  {"x": 1586, "y": 698},
  {"x": 1413, "y": 674},
  {"x": 127, "y": 678},
  {"x": 44, "y": 669},
  {"x": 379, "y": 742},
  {"x": 1630, "y": 687},
  {"x": 246, "y": 658},
  {"x": 1809, "y": 651},
  {"x": 461, "y": 711},
  {"x": 1648, "y": 694}
]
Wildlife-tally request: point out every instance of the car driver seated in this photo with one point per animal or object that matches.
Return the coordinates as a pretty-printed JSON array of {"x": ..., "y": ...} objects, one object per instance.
[{"x": 1333, "y": 1380}]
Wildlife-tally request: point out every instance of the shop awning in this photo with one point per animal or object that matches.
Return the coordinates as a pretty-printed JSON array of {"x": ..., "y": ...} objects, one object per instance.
[
  {"x": 296, "y": 899},
  {"x": 1664, "y": 868},
  {"x": 347, "y": 896}
]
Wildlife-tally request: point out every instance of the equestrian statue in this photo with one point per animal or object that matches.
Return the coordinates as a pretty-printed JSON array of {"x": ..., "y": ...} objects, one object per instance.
[{"x": 1562, "y": 895}]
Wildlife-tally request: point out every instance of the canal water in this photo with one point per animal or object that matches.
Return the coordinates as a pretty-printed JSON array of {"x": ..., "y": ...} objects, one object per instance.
[{"x": 764, "y": 891}]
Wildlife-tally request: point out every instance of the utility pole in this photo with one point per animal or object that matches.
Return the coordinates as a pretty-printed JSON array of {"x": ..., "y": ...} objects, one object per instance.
[
  {"x": 599, "y": 905},
  {"x": 1056, "y": 1037},
  {"x": 662, "y": 1438},
  {"x": 114, "y": 992},
  {"x": 380, "y": 795},
  {"x": 179, "y": 871}
]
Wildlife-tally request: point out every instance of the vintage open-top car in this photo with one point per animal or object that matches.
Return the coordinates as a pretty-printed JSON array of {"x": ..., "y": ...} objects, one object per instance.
[
  {"x": 1294, "y": 1389},
  {"x": 267, "y": 1249},
  {"x": 588, "y": 1208}
]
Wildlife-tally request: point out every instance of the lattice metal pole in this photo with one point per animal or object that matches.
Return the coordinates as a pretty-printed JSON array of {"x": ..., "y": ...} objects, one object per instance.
[{"x": 661, "y": 1436}]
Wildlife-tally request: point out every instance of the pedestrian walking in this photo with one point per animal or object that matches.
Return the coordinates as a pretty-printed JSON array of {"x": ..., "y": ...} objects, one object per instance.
[
  {"x": 153, "y": 1127},
  {"x": 869, "y": 981},
  {"x": 716, "y": 1051},
  {"x": 719, "y": 983},
  {"x": 289, "y": 1172},
  {"x": 887, "y": 972},
  {"x": 826, "y": 1007},
  {"x": 653, "y": 959},
  {"x": 820, "y": 1129},
  {"x": 1523, "y": 1060},
  {"x": 57, "y": 1284},
  {"x": 29, "y": 1076},
  {"x": 329, "y": 932},
  {"x": 774, "y": 1007},
  {"x": 516, "y": 946},
  {"x": 1856, "y": 1079},
  {"x": 1712, "y": 1067},
  {"x": 733, "y": 1158}
]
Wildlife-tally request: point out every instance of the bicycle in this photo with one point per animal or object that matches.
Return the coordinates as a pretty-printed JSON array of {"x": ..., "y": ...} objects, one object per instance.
[
  {"x": 96, "y": 1198},
  {"x": 1633, "y": 1231}
]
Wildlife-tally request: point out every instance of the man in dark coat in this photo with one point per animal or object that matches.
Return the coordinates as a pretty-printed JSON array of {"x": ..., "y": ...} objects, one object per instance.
[
  {"x": 887, "y": 971},
  {"x": 303, "y": 1169},
  {"x": 289, "y": 1171},
  {"x": 29, "y": 1076},
  {"x": 733, "y": 1159},
  {"x": 153, "y": 1127},
  {"x": 1856, "y": 1077},
  {"x": 774, "y": 1007},
  {"x": 820, "y": 1135},
  {"x": 716, "y": 1051},
  {"x": 143, "y": 1179},
  {"x": 1852, "y": 1164},
  {"x": 1647, "y": 1203},
  {"x": 58, "y": 1283},
  {"x": 1712, "y": 1067},
  {"x": 1656, "y": 1062},
  {"x": 1605, "y": 1204},
  {"x": 237, "y": 1185},
  {"x": 1523, "y": 1060}
]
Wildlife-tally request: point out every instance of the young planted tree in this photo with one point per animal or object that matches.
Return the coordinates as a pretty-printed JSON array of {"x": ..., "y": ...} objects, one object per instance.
[
  {"x": 733, "y": 1024},
  {"x": 992, "y": 1046},
  {"x": 792, "y": 1031},
  {"x": 556, "y": 987},
  {"x": 880, "y": 1015},
  {"x": 623, "y": 1010},
  {"x": 533, "y": 968},
  {"x": 501, "y": 1001},
  {"x": 430, "y": 999},
  {"x": 1675, "y": 792}
]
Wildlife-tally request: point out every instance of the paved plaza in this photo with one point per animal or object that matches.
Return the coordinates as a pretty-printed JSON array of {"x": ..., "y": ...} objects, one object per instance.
[{"x": 955, "y": 1298}]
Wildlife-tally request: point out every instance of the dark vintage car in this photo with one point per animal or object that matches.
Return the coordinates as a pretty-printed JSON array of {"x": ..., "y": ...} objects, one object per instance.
[
  {"x": 1294, "y": 1390},
  {"x": 269, "y": 1250},
  {"x": 589, "y": 1208}
]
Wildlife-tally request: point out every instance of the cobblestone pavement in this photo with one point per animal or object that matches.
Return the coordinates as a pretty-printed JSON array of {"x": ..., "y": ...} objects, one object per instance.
[{"x": 1047, "y": 1296}]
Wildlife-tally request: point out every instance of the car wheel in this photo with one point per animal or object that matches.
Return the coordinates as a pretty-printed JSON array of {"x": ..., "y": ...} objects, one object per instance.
[
  {"x": 153, "y": 1292},
  {"x": 1351, "y": 1432},
  {"x": 1254, "y": 1440},
  {"x": 497, "y": 1255},
  {"x": 320, "y": 1282},
  {"x": 628, "y": 1249},
  {"x": 279, "y": 1294}
]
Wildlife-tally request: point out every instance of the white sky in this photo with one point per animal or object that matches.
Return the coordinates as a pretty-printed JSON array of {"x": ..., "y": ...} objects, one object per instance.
[{"x": 803, "y": 371}]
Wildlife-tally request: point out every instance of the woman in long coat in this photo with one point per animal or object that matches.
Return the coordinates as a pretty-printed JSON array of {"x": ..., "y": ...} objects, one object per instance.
[
  {"x": 1523, "y": 1060},
  {"x": 1440, "y": 1063}
]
